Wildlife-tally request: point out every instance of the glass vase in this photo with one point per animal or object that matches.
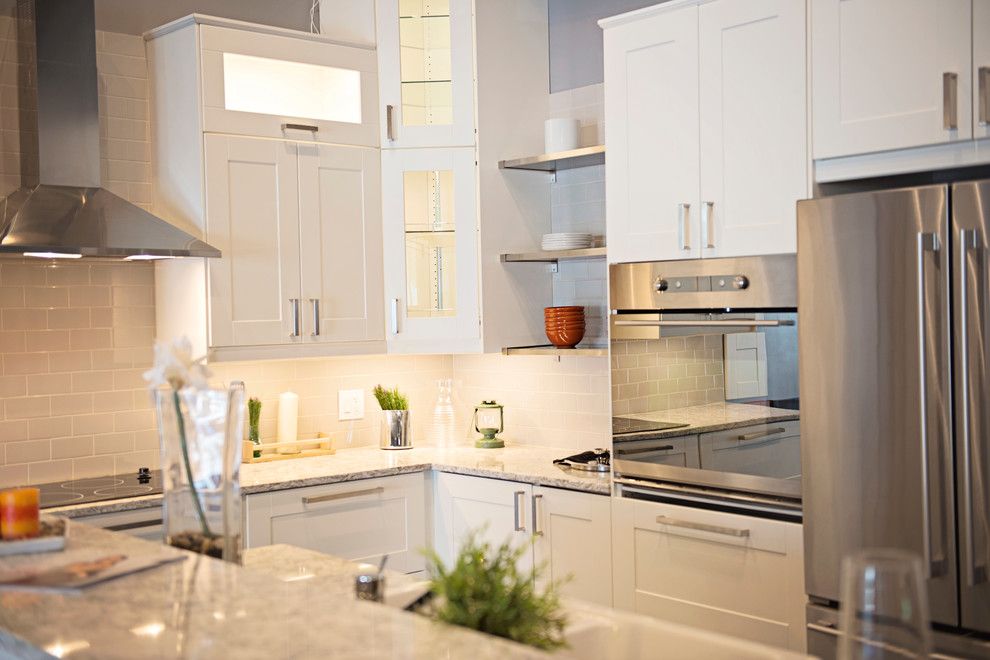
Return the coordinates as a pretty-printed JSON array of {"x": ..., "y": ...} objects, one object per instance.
[{"x": 201, "y": 431}]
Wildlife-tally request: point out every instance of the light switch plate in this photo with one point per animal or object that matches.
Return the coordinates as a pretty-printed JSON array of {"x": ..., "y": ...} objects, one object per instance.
[{"x": 350, "y": 405}]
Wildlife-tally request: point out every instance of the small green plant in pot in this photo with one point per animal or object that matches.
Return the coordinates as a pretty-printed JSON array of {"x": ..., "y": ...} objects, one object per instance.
[
  {"x": 254, "y": 424},
  {"x": 485, "y": 590},
  {"x": 395, "y": 431}
]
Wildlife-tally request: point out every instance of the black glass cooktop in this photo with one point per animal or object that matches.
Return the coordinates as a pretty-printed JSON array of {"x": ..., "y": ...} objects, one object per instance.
[
  {"x": 622, "y": 425},
  {"x": 144, "y": 481}
]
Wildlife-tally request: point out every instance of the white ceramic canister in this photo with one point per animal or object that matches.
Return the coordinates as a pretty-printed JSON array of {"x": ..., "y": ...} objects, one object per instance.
[{"x": 561, "y": 134}]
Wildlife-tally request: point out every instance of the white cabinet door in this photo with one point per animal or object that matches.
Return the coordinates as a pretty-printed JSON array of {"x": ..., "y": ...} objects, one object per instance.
[
  {"x": 426, "y": 63},
  {"x": 879, "y": 74},
  {"x": 252, "y": 217},
  {"x": 497, "y": 511},
  {"x": 356, "y": 520},
  {"x": 745, "y": 365},
  {"x": 651, "y": 110},
  {"x": 981, "y": 68},
  {"x": 341, "y": 243},
  {"x": 574, "y": 540},
  {"x": 275, "y": 86},
  {"x": 754, "y": 156},
  {"x": 723, "y": 572},
  {"x": 429, "y": 206}
]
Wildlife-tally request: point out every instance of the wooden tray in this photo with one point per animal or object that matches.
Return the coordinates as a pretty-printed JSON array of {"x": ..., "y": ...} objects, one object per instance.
[
  {"x": 321, "y": 445},
  {"x": 54, "y": 532}
]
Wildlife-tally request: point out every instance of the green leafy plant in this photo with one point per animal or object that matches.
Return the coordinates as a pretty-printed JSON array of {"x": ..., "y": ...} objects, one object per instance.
[
  {"x": 391, "y": 399},
  {"x": 254, "y": 418},
  {"x": 486, "y": 591}
]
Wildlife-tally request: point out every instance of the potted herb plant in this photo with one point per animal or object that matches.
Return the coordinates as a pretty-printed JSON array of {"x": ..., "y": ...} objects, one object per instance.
[{"x": 395, "y": 431}]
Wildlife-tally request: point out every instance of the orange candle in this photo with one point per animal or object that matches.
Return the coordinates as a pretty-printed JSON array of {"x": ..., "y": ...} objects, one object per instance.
[{"x": 19, "y": 513}]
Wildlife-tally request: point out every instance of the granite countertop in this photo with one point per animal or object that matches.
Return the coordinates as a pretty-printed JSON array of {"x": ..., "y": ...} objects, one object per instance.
[
  {"x": 515, "y": 463},
  {"x": 206, "y": 608},
  {"x": 710, "y": 417}
]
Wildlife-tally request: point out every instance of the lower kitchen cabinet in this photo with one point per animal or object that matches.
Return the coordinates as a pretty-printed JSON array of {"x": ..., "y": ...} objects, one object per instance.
[
  {"x": 569, "y": 531},
  {"x": 717, "y": 571},
  {"x": 356, "y": 520}
]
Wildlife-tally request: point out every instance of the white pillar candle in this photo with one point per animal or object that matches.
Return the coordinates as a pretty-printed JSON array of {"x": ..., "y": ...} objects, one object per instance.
[{"x": 288, "y": 419}]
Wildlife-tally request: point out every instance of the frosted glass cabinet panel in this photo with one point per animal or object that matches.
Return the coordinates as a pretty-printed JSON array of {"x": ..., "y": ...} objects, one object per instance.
[
  {"x": 430, "y": 249},
  {"x": 425, "y": 57},
  {"x": 302, "y": 89}
]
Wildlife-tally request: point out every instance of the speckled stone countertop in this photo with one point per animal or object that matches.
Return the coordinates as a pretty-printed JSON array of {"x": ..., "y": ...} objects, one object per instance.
[
  {"x": 710, "y": 417},
  {"x": 204, "y": 608},
  {"x": 515, "y": 463}
]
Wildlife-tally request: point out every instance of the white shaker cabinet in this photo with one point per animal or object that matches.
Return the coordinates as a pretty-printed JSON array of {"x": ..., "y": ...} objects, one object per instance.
[
  {"x": 299, "y": 228},
  {"x": 723, "y": 572},
  {"x": 356, "y": 520},
  {"x": 651, "y": 110},
  {"x": 707, "y": 140},
  {"x": 981, "y": 68},
  {"x": 754, "y": 125},
  {"x": 566, "y": 531},
  {"x": 890, "y": 74},
  {"x": 426, "y": 60},
  {"x": 431, "y": 250}
]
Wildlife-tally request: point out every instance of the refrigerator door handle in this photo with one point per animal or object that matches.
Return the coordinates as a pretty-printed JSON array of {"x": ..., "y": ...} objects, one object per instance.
[
  {"x": 927, "y": 242},
  {"x": 973, "y": 574}
]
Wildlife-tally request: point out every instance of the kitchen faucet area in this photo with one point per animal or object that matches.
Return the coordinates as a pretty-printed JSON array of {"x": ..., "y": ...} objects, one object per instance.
[{"x": 589, "y": 329}]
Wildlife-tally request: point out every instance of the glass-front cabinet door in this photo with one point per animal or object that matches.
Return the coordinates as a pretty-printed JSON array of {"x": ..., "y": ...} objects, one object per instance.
[
  {"x": 430, "y": 250},
  {"x": 425, "y": 55}
]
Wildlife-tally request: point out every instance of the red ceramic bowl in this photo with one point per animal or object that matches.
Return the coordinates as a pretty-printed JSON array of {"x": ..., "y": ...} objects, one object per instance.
[{"x": 565, "y": 338}]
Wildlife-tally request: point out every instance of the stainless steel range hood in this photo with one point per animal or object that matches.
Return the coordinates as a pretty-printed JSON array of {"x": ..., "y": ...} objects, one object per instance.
[{"x": 68, "y": 213}]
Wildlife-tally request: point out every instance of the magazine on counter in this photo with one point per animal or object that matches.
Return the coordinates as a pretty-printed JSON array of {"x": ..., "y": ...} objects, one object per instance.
[{"x": 84, "y": 573}]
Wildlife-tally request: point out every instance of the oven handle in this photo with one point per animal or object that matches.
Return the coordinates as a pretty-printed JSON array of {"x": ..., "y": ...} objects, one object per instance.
[
  {"x": 730, "y": 323},
  {"x": 642, "y": 450}
]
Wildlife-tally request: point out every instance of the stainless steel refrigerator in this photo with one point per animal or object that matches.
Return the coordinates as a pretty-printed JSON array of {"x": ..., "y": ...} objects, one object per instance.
[{"x": 894, "y": 344}]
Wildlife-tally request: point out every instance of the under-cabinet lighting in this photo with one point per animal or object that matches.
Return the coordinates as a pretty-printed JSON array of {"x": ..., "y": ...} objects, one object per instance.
[
  {"x": 148, "y": 257},
  {"x": 53, "y": 255}
]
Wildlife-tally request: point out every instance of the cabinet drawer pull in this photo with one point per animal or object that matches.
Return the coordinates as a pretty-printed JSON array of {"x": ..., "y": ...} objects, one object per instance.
[
  {"x": 642, "y": 450},
  {"x": 537, "y": 501},
  {"x": 295, "y": 317},
  {"x": 708, "y": 222},
  {"x": 756, "y": 435},
  {"x": 343, "y": 496},
  {"x": 519, "y": 524},
  {"x": 395, "y": 316},
  {"x": 950, "y": 110},
  {"x": 301, "y": 127},
  {"x": 703, "y": 527},
  {"x": 389, "y": 132}
]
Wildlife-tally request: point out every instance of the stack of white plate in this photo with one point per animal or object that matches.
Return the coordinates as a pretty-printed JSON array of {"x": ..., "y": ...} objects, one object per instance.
[{"x": 566, "y": 241}]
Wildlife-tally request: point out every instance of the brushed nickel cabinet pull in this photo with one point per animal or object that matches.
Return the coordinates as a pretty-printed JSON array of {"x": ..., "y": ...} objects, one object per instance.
[
  {"x": 983, "y": 82},
  {"x": 301, "y": 127},
  {"x": 950, "y": 109},
  {"x": 703, "y": 527},
  {"x": 316, "y": 316},
  {"x": 519, "y": 524},
  {"x": 295, "y": 317},
  {"x": 756, "y": 435},
  {"x": 395, "y": 316},
  {"x": 343, "y": 496},
  {"x": 537, "y": 501},
  {"x": 684, "y": 217},
  {"x": 708, "y": 221},
  {"x": 389, "y": 131}
]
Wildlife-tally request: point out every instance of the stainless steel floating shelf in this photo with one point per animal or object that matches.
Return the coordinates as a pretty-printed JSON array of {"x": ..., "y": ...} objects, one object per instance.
[
  {"x": 547, "y": 349},
  {"x": 555, "y": 255},
  {"x": 559, "y": 160}
]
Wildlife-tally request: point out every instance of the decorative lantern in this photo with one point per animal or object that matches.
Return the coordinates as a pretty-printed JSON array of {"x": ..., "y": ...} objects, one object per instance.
[{"x": 489, "y": 421}]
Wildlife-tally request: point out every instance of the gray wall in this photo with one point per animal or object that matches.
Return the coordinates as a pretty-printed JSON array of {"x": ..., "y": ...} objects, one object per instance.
[
  {"x": 137, "y": 16},
  {"x": 576, "y": 39}
]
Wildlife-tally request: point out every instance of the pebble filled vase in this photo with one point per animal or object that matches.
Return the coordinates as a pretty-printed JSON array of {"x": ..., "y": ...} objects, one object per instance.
[{"x": 201, "y": 431}]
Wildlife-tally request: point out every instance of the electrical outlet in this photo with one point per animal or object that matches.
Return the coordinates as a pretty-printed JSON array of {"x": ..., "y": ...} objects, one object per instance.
[{"x": 350, "y": 405}]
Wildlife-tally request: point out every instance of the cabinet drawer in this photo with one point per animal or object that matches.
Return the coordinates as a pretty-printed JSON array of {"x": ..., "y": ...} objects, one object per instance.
[
  {"x": 356, "y": 520},
  {"x": 765, "y": 450},
  {"x": 723, "y": 572},
  {"x": 281, "y": 87},
  {"x": 681, "y": 451}
]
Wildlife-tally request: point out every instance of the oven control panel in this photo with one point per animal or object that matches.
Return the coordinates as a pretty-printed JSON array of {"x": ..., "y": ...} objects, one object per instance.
[{"x": 701, "y": 283}]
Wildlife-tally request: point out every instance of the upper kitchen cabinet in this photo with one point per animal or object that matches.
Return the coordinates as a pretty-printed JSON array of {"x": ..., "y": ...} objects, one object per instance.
[
  {"x": 431, "y": 250},
  {"x": 706, "y": 110},
  {"x": 897, "y": 80},
  {"x": 426, "y": 60},
  {"x": 297, "y": 218}
]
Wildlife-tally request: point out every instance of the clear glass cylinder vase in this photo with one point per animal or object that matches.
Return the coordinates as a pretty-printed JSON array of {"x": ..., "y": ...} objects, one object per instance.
[{"x": 201, "y": 431}]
